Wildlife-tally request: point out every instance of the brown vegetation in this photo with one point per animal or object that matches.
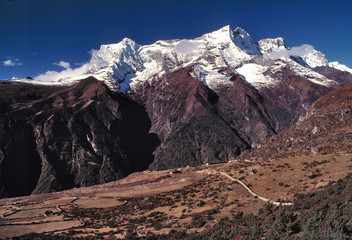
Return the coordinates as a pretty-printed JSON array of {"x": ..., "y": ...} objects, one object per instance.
[{"x": 159, "y": 202}]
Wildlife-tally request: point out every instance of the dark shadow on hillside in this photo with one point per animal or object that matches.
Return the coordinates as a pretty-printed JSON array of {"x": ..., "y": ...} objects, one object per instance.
[
  {"x": 21, "y": 164},
  {"x": 137, "y": 142}
]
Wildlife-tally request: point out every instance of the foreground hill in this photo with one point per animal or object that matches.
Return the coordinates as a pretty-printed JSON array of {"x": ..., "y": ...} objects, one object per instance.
[{"x": 196, "y": 203}]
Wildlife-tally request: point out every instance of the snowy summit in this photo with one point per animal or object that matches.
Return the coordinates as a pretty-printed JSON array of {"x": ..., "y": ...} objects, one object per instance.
[{"x": 215, "y": 57}]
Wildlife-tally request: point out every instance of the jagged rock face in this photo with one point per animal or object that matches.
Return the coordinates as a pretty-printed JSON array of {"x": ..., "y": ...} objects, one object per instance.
[{"x": 54, "y": 138}]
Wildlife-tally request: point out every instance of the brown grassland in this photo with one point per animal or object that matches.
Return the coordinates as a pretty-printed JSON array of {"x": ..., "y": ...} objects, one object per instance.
[{"x": 193, "y": 200}]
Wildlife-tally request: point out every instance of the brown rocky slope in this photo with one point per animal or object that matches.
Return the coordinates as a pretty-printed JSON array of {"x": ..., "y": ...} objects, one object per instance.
[
  {"x": 197, "y": 125},
  {"x": 326, "y": 128}
]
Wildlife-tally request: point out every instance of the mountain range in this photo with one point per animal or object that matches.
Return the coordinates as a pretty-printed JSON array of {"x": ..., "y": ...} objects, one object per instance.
[{"x": 166, "y": 105}]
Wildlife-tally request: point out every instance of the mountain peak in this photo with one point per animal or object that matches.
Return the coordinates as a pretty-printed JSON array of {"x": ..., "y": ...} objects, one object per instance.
[
  {"x": 118, "y": 47},
  {"x": 216, "y": 56},
  {"x": 108, "y": 53},
  {"x": 239, "y": 37},
  {"x": 128, "y": 41},
  {"x": 226, "y": 30},
  {"x": 223, "y": 35},
  {"x": 243, "y": 40},
  {"x": 240, "y": 31},
  {"x": 340, "y": 67},
  {"x": 269, "y": 45},
  {"x": 315, "y": 58}
]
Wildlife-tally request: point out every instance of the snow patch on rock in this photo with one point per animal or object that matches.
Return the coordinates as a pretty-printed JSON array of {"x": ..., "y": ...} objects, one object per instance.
[
  {"x": 270, "y": 45},
  {"x": 254, "y": 74},
  {"x": 315, "y": 59},
  {"x": 340, "y": 67}
]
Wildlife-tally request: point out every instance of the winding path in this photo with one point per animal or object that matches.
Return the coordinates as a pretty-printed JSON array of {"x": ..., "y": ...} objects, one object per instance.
[{"x": 256, "y": 195}]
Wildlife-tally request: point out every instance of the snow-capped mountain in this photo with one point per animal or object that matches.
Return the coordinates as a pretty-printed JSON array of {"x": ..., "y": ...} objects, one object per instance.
[
  {"x": 198, "y": 101},
  {"x": 270, "y": 45},
  {"x": 339, "y": 66},
  {"x": 279, "y": 82},
  {"x": 215, "y": 57},
  {"x": 315, "y": 59}
]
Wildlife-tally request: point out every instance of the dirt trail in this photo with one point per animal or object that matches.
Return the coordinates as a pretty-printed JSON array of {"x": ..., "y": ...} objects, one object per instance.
[{"x": 254, "y": 194}]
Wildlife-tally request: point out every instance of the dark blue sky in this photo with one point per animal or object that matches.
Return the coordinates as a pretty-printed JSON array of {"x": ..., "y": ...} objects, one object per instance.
[{"x": 35, "y": 34}]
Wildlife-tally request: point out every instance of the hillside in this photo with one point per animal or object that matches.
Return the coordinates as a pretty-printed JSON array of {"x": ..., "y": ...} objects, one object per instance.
[
  {"x": 58, "y": 137},
  {"x": 325, "y": 129},
  {"x": 201, "y": 203},
  {"x": 192, "y": 202}
]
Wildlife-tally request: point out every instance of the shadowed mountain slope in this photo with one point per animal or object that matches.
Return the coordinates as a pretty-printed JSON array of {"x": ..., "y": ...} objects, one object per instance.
[{"x": 55, "y": 138}]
